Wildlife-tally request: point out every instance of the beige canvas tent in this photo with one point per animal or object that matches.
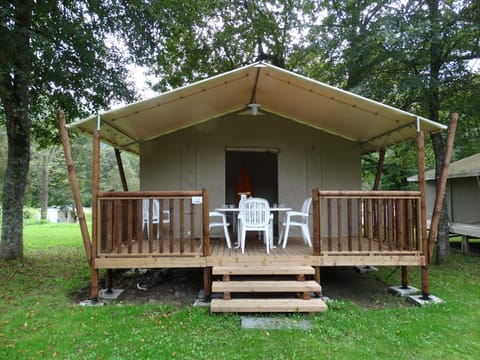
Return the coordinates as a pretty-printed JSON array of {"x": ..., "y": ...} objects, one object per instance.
[
  {"x": 306, "y": 134},
  {"x": 463, "y": 195},
  {"x": 294, "y": 137}
]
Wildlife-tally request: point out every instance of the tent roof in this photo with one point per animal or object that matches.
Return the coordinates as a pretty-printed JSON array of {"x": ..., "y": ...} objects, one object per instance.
[
  {"x": 467, "y": 167},
  {"x": 373, "y": 125}
]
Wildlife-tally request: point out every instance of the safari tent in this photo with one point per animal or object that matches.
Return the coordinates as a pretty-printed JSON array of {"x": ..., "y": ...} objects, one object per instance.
[
  {"x": 462, "y": 194},
  {"x": 295, "y": 138}
]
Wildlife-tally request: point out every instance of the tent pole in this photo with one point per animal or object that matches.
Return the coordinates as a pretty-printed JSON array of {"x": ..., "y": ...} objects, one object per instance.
[
  {"x": 95, "y": 190},
  {"x": 74, "y": 185},
  {"x": 422, "y": 231},
  {"x": 442, "y": 185},
  {"x": 87, "y": 244},
  {"x": 378, "y": 175},
  {"x": 121, "y": 170}
]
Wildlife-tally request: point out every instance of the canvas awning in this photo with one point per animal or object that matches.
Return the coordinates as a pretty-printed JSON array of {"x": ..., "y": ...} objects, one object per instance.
[
  {"x": 373, "y": 125},
  {"x": 467, "y": 167}
]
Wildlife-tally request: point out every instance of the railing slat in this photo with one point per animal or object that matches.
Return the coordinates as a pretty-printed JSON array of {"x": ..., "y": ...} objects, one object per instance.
[
  {"x": 123, "y": 231},
  {"x": 182, "y": 226},
  {"x": 339, "y": 224},
  {"x": 171, "y": 230},
  {"x": 381, "y": 221},
  {"x": 329, "y": 223},
  {"x": 359, "y": 223},
  {"x": 350, "y": 224}
]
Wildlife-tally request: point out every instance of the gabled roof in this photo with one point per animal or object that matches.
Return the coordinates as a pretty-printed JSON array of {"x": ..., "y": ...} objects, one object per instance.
[
  {"x": 373, "y": 125},
  {"x": 467, "y": 167}
]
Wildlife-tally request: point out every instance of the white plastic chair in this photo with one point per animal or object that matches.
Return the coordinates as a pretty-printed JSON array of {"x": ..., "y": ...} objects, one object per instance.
[
  {"x": 300, "y": 219},
  {"x": 255, "y": 216},
  {"x": 222, "y": 223},
  {"x": 155, "y": 215}
]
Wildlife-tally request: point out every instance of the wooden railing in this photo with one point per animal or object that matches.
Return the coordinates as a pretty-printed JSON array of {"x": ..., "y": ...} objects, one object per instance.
[
  {"x": 356, "y": 222},
  {"x": 124, "y": 229}
]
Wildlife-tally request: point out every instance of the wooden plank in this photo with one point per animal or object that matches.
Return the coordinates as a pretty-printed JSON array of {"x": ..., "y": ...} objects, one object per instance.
[
  {"x": 268, "y": 305},
  {"x": 368, "y": 194},
  {"x": 269, "y": 286},
  {"x": 150, "y": 262},
  {"x": 263, "y": 270}
]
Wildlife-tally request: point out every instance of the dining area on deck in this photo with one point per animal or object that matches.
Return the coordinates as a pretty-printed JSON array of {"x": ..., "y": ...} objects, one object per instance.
[{"x": 254, "y": 223}]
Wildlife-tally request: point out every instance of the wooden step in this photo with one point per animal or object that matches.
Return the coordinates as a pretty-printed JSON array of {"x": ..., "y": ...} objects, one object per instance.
[
  {"x": 263, "y": 270},
  {"x": 258, "y": 286},
  {"x": 267, "y": 305}
]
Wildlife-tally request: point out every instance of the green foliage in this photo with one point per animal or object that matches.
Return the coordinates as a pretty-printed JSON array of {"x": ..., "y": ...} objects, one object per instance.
[
  {"x": 59, "y": 190},
  {"x": 196, "y": 39},
  {"x": 38, "y": 318}
]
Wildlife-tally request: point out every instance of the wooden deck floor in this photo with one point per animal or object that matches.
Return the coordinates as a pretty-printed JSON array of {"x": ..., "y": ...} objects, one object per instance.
[{"x": 296, "y": 253}]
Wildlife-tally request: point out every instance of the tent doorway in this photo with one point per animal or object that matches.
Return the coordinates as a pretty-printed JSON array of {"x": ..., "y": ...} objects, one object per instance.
[
  {"x": 262, "y": 171},
  {"x": 261, "y": 167}
]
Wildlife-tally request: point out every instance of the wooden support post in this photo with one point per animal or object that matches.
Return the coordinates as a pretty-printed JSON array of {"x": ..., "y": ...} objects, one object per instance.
[
  {"x": 108, "y": 281},
  {"x": 317, "y": 223},
  {"x": 441, "y": 185},
  {"x": 404, "y": 277},
  {"x": 95, "y": 191},
  {"x": 422, "y": 233},
  {"x": 207, "y": 282},
  {"x": 207, "y": 272},
  {"x": 425, "y": 283},
  {"x": 205, "y": 223},
  {"x": 74, "y": 185},
  {"x": 465, "y": 244},
  {"x": 317, "y": 278},
  {"x": 378, "y": 175},
  {"x": 121, "y": 171}
]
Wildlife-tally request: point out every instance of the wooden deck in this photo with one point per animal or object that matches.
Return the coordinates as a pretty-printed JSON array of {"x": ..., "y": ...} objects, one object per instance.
[
  {"x": 296, "y": 253},
  {"x": 353, "y": 228}
]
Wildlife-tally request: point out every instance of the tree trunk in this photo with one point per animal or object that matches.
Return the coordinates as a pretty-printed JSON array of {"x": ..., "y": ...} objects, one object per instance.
[
  {"x": 14, "y": 93},
  {"x": 433, "y": 98},
  {"x": 18, "y": 132},
  {"x": 44, "y": 175},
  {"x": 443, "y": 244}
]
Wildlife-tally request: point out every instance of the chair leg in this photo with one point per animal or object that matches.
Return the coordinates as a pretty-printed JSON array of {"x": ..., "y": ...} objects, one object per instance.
[
  {"x": 306, "y": 235},
  {"x": 227, "y": 236},
  {"x": 287, "y": 228},
  {"x": 242, "y": 240},
  {"x": 267, "y": 240},
  {"x": 280, "y": 237}
]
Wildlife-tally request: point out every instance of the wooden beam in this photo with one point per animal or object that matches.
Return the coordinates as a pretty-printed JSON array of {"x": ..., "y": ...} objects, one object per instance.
[
  {"x": 95, "y": 190},
  {"x": 422, "y": 233},
  {"x": 442, "y": 183},
  {"x": 121, "y": 171},
  {"x": 74, "y": 185},
  {"x": 378, "y": 175},
  {"x": 317, "y": 223}
]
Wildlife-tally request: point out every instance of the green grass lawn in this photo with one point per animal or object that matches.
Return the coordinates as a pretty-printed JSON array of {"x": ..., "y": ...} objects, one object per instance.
[{"x": 39, "y": 319}]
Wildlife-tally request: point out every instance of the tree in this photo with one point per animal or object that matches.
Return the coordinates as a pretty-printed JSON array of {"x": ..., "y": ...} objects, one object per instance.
[
  {"x": 446, "y": 35},
  {"x": 55, "y": 54},
  {"x": 413, "y": 55},
  {"x": 195, "y": 39}
]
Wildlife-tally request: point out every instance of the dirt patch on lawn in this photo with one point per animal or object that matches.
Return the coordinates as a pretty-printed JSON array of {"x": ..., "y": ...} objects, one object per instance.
[{"x": 179, "y": 287}]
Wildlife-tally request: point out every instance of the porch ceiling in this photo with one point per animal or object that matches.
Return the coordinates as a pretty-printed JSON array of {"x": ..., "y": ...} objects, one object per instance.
[{"x": 312, "y": 103}]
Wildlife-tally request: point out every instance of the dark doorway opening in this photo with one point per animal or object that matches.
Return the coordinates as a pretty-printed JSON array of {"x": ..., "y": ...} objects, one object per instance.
[{"x": 262, "y": 168}]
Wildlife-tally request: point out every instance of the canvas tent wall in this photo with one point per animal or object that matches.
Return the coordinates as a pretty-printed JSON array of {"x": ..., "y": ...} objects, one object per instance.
[
  {"x": 463, "y": 195},
  {"x": 195, "y": 158}
]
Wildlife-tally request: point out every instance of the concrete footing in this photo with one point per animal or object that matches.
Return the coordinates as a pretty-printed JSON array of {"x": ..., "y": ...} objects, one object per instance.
[
  {"x": 400, "y": 291},
  {"x": 110, "y": 294},
  {"x": 418, "y": 300},
  {"x": 275, "y": 323},
  {"x": 365, "y": 269}
]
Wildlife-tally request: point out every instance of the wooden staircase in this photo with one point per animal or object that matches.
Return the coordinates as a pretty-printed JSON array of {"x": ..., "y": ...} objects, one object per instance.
[{"x": 261, "y": 280}]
